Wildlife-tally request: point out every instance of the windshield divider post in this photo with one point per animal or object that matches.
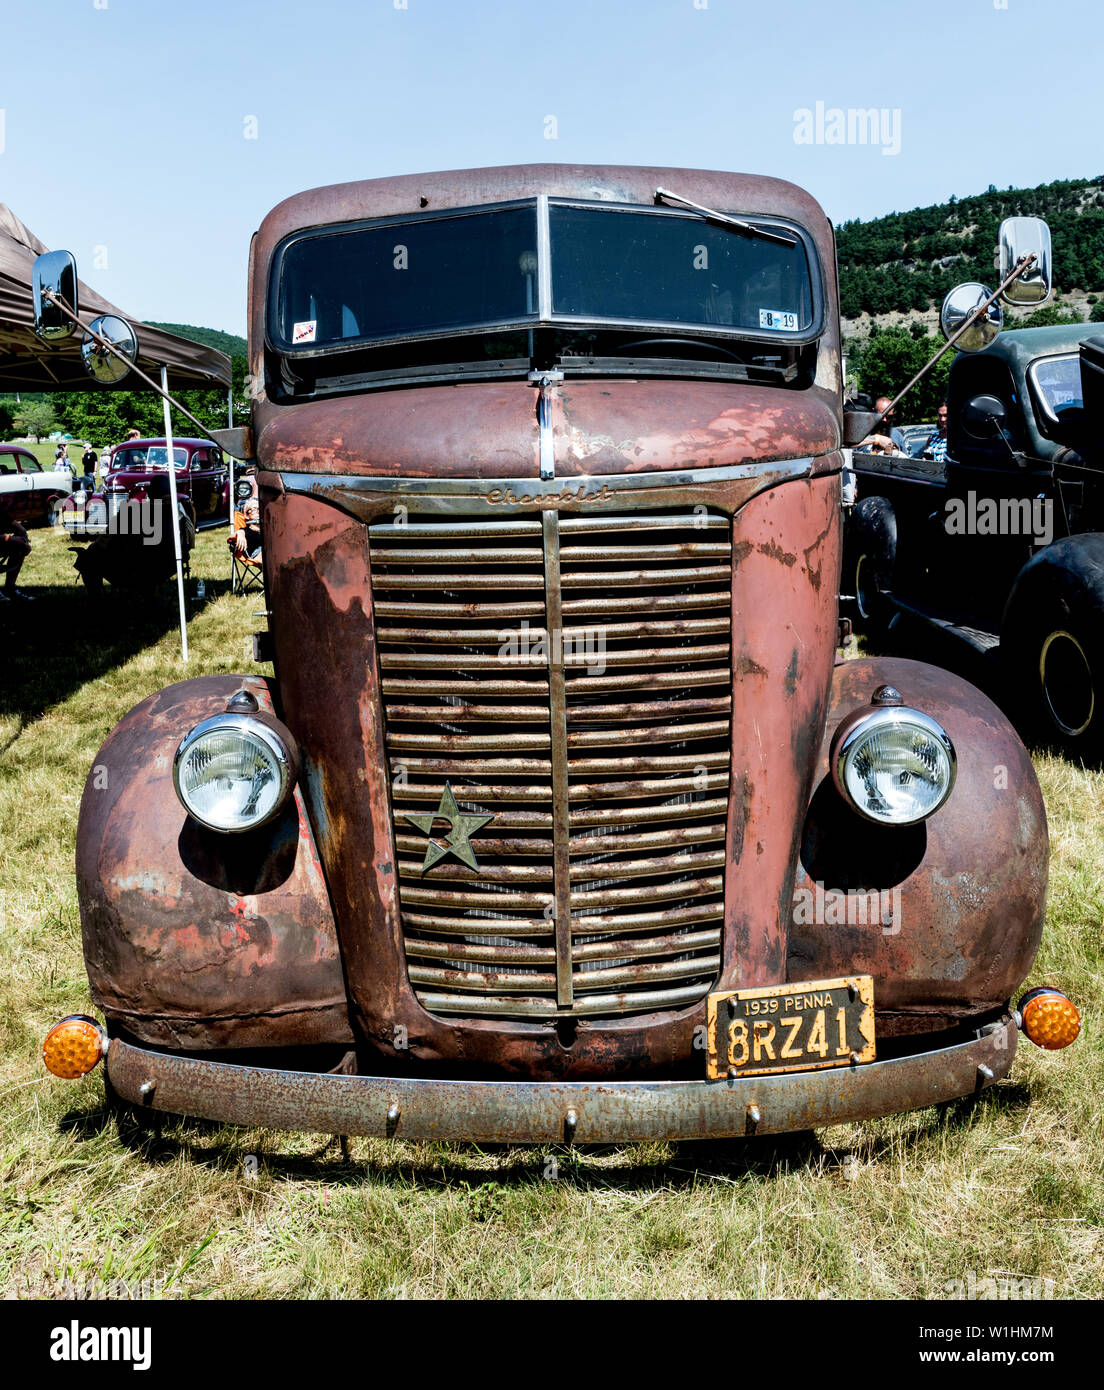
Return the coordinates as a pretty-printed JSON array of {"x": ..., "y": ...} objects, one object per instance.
[{"x": 544, "y": 260}]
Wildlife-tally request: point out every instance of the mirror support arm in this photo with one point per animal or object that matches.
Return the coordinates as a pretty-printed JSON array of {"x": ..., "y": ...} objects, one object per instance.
[
  {"x": 133, "y": 366},
  {"x": 1024, "y": 263}
]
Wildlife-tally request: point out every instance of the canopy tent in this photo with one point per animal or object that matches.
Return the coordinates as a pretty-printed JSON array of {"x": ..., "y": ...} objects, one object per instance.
[{"x": 28, "y": 364}]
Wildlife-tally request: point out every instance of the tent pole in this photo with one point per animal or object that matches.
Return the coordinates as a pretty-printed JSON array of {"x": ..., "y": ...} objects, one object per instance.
[
  {"x": 175, "y": 513},
  {"x": 230, "y": 426}
]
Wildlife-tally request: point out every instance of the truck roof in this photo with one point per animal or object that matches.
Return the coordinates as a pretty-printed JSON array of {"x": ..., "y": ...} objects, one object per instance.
[
  {"x": 1022, "y": 345},
  {"x": 613, "y": 183}
]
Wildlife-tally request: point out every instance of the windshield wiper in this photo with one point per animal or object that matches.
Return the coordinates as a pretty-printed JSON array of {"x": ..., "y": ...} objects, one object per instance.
[
  {"x": 720, "y": 219},
  {"x": 593, "y": 364}
]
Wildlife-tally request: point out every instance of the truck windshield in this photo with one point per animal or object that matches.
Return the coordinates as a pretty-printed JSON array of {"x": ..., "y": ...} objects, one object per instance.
[
  {"x": 1057, "y": 384},
  {"x": 672, "y": 269},
  {"x": 543, "y": 262}
]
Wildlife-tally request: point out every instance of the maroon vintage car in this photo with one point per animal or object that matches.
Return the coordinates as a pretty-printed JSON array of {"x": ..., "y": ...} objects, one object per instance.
[
  {"x": 560, "y": 819},
  {"x": 202, "y": 483}
]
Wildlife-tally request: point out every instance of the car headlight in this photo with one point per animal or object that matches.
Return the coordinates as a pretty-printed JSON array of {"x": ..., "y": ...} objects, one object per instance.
[
  {"x": 895, "y": 765},
  {"x": 236, "y": 770}
]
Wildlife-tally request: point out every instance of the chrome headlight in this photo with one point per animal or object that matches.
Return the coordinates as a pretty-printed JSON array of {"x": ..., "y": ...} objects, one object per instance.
[
  {"x": 235, "y": 771},
  {"x": 895, "y": 765}
]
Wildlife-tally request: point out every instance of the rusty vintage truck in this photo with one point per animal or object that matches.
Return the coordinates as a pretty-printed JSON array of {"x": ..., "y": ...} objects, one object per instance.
[{"x": 561, "y": 819}]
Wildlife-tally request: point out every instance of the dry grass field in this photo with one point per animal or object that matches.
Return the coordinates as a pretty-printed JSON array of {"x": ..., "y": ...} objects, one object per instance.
[{"x": 1010, "y": 1185}]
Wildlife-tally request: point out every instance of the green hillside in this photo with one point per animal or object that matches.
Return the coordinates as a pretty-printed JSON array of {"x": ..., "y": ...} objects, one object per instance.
[
  {"x": 907, "y": 261},
  {"x": 230, "y": 343}
]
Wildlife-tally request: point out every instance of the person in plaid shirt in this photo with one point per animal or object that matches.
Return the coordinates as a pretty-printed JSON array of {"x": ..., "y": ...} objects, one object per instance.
[{"x": 936, "y": 447}]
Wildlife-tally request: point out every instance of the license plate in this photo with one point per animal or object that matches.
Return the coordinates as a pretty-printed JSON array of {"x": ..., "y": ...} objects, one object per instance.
[{"x": 825, "y": 1023}]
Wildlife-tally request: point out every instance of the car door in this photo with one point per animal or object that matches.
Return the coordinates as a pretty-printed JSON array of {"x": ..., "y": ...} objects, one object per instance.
[
  {"x": 15, "y": 488},
  {"x": 994, "y": 475},
  {"x": 35, "y": 499}
]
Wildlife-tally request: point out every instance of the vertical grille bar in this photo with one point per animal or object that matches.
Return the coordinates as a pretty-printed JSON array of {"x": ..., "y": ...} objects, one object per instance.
[{"x": 557, "y": 723}]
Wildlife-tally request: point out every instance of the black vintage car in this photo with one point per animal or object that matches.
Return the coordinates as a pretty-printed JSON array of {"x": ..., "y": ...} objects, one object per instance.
[{"x": 1002, "y": 545}]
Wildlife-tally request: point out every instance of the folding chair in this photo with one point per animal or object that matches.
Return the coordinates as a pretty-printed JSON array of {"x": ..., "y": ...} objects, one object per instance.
[{"x": 246, "y": 575}]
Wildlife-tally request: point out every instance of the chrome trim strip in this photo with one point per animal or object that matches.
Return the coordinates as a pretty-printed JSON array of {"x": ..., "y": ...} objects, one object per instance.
[{"x": 507, "y": 496}]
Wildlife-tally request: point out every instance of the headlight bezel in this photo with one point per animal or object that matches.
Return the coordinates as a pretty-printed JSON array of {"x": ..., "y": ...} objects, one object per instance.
[
  {"x": 267, "y": 730},
  {"x": 857, "y": 726}
]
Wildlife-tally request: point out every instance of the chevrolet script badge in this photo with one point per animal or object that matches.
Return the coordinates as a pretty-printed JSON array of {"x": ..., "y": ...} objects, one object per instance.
[{"x": 458, "y": 841}]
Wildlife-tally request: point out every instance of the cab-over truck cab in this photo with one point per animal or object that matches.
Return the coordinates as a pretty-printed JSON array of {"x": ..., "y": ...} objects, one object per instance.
[{"x": 560, "y": 818}]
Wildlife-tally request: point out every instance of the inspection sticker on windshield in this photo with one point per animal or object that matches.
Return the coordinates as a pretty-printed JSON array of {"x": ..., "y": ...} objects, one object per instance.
[
  {"x": 304, "y": 332},
  {"x": 778, "y": 318}
]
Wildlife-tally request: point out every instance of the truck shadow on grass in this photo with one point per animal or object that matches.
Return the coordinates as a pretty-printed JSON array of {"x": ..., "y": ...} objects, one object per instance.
[
  {"x": 65, "y": 639},
  {"x": 644, "y": 1166}
]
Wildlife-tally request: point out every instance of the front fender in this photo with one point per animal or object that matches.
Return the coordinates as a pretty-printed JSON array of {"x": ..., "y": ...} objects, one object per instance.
[
  {"x": 193, "y": 939},
  {"x": 946, "y": 915}
]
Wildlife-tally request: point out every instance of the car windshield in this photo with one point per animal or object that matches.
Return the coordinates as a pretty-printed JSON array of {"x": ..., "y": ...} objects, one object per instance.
[
  {"x": 152, "y": 457},
  {"x": 540, "y": 262}
]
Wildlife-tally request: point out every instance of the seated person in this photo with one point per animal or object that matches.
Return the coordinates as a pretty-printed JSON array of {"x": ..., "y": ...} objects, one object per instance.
[
  {"x": 935, "y": 446},
  {"x": 14, "y": 547},
  {"x": 887, "y": 439},
  {"x": 245, "y": 539}
]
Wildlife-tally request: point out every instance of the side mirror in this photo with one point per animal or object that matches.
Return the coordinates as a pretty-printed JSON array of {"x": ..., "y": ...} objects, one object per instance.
[
  {"x": 957, "y": 308},
  {"x": 56, "y": 272},
  {"x": 1019, "y": 237},
  {"x": 105, "y": 366},
  {"x": 857, "y": 424},
  {"x": 984, "y": 416},
  {"x": 238, "y": 441}
]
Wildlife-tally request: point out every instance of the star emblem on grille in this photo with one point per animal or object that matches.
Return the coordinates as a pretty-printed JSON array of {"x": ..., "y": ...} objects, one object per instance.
[{"x": 458, "y": 841}]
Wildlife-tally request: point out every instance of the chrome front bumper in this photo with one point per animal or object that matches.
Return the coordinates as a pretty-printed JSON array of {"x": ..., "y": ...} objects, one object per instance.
[{"x": 555, "y": 1111}]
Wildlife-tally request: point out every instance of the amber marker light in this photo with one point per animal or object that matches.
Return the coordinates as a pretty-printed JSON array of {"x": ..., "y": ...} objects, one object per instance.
[
  {"x": 74, "y": 1046},
  {"x": 1048, "y": 1018}
]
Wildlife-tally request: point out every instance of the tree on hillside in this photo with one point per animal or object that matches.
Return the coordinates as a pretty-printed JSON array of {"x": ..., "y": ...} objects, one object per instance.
[
  {"x": 896, "y": 263},
  {"x": 1045, "y": 317},
  {"x": 105, "y": 416},
  {"x": 232, "y": 344},
  {"x": 894, "y": 355},
  {"x": 34, "y": 418}
]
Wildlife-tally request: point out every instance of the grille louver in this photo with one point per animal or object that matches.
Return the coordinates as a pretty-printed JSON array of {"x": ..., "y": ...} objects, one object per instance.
[{"x": 599, "y": 889}]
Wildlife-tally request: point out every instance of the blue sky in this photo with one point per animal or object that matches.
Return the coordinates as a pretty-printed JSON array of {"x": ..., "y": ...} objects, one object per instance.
[{"x": 124, "y": 122}]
